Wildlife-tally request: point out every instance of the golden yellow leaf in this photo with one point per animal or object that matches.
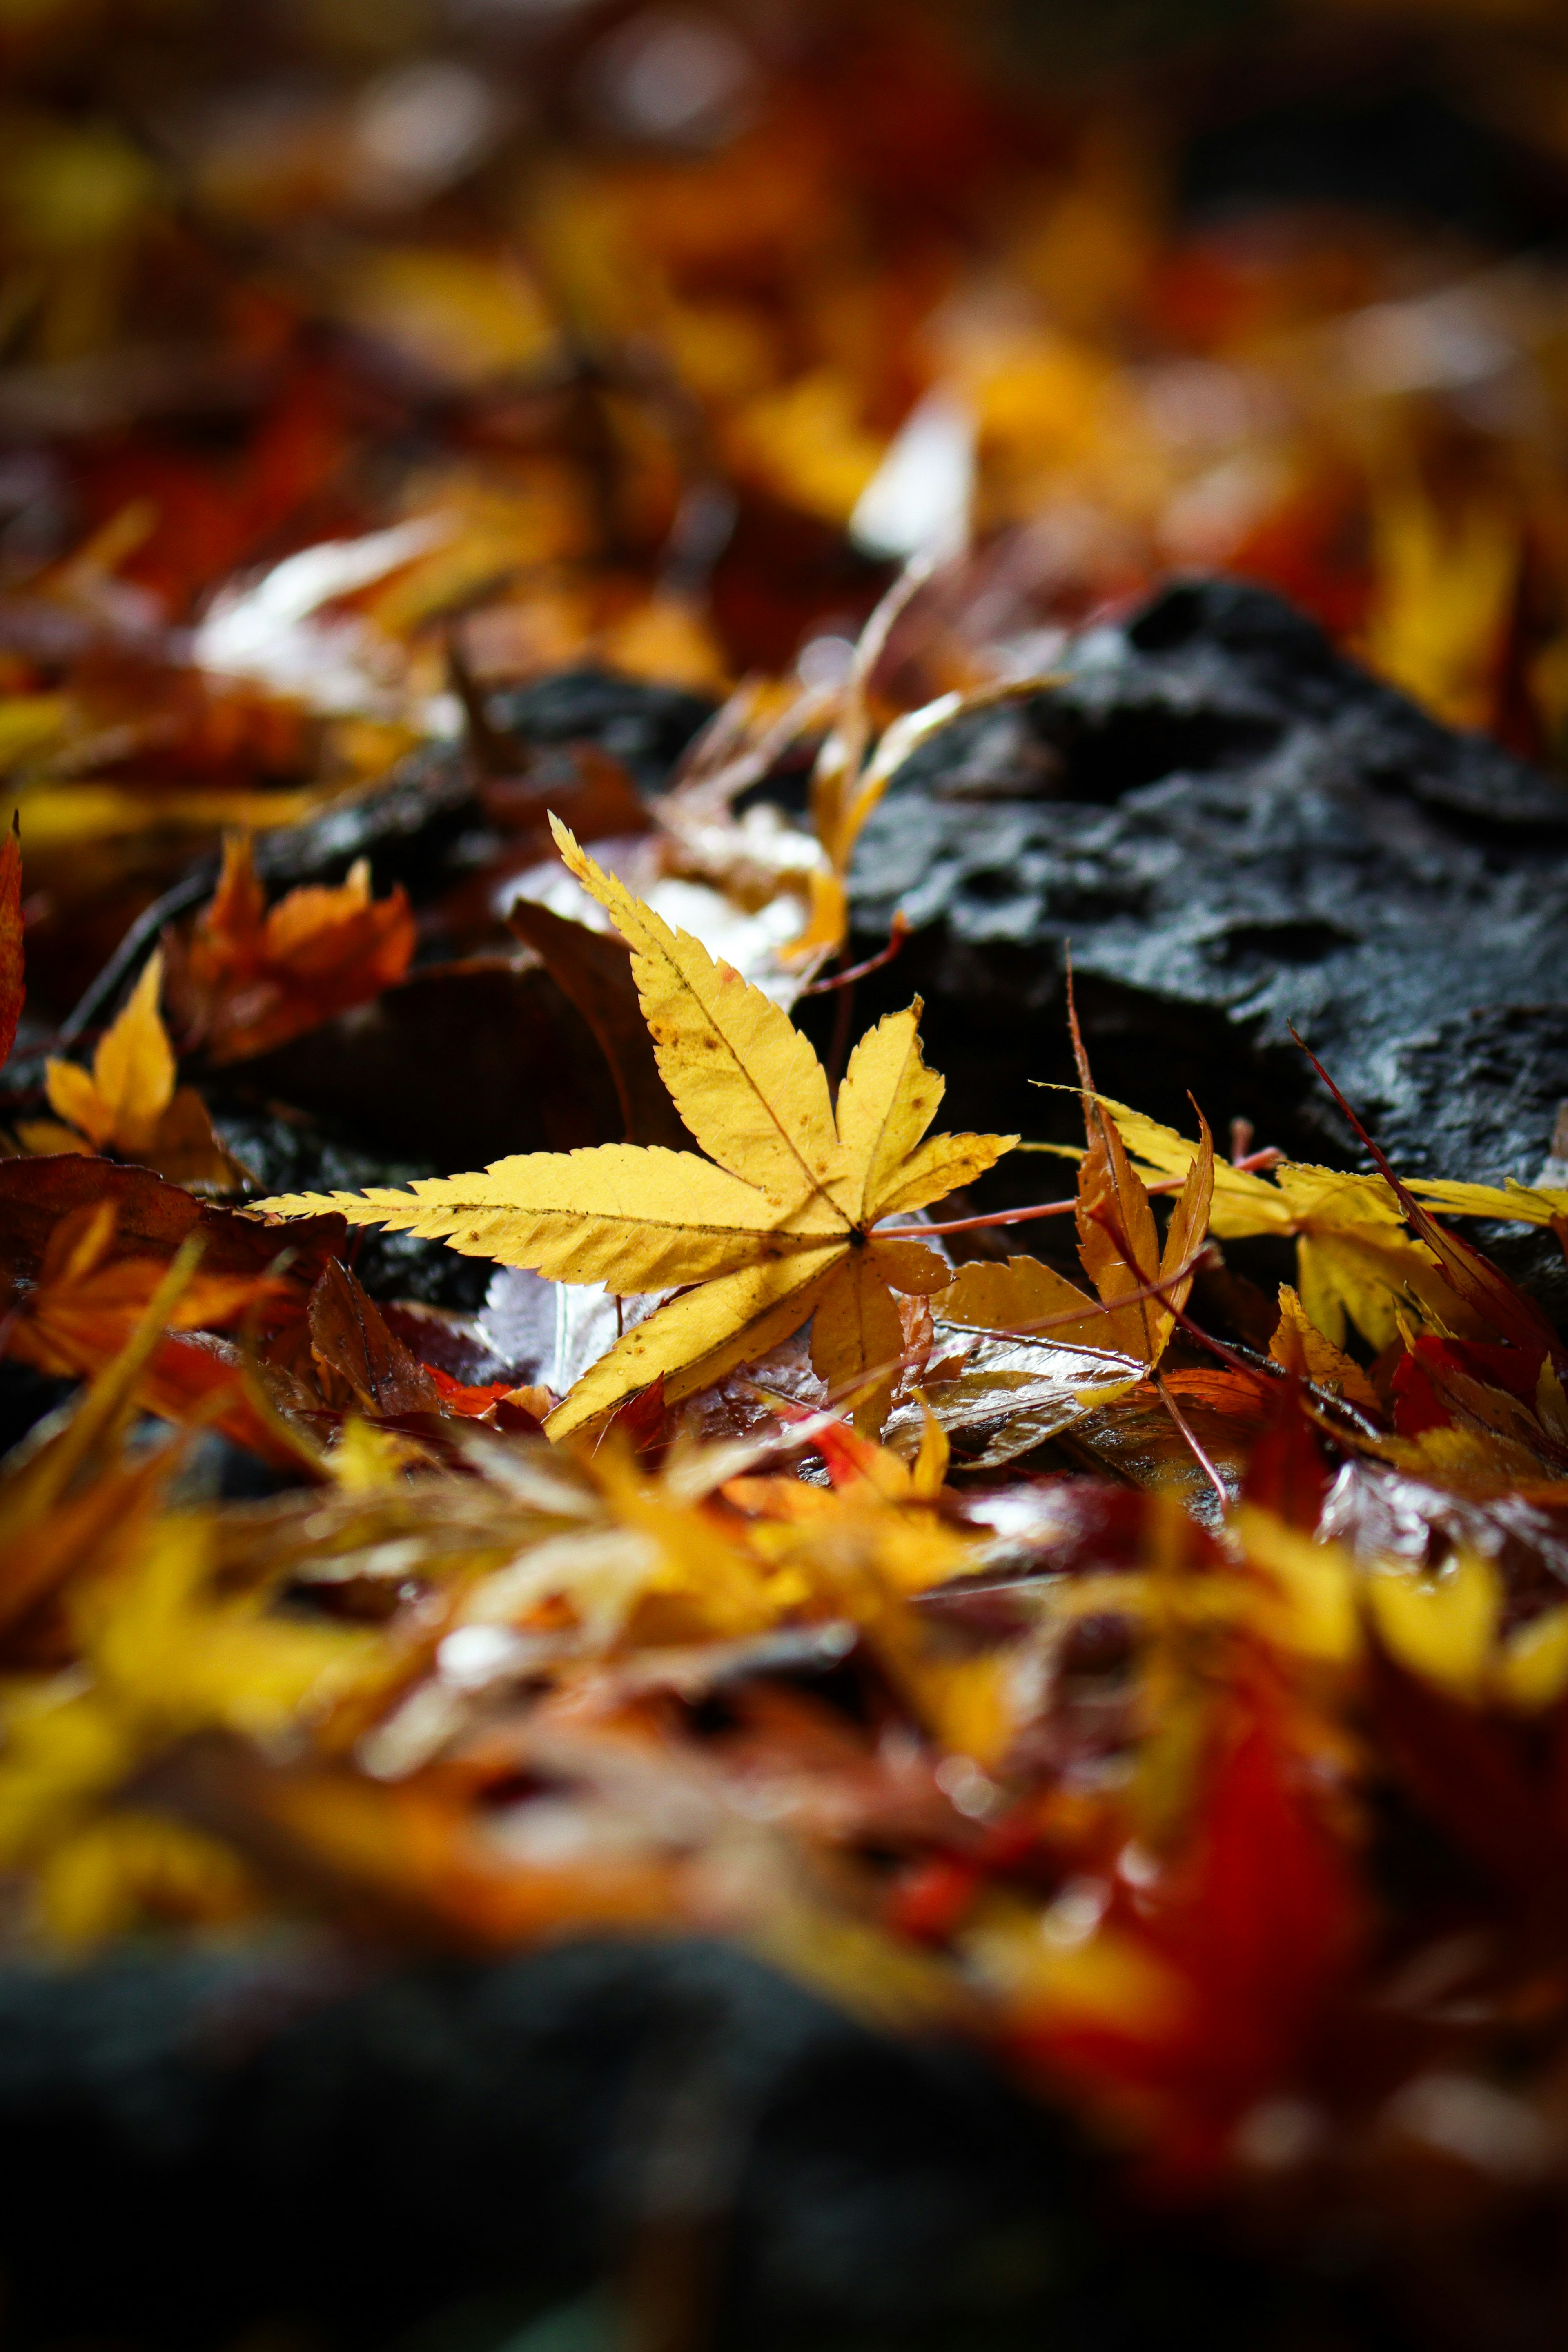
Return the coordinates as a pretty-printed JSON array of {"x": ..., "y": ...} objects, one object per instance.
[
  {"x": 855, "y": 1328},
  {"x": 635, "y": 1217},
  {"x": 131, "y": 1083},
  {"x": 1316, "y": 1612},
  {"x": 703, "y": 1335},
  {"x": 128, "y": 1870},
  {"x": 1531, "y": 1668},
  {"x": 765, "y": 1234},
  {"x": 762, "y": 1234},
  {"x": 1522, "y": 1205},
  {"x": 43, "y": 1138},
  {"x": 1024, "y": 1296},
  {"x": 1366, "y": 1276},
  {"x": 741, "y": 1076},
  {"x": 1301, "y": 1347},
  {"x": 910, "y": 1266},
  {"x": 128, "y": 1102},
  {"x": 1356, "y": 1262},
  {"x": 1441, "y": 1627},
  {"x": 59, "y": 818},
  {"x": 928, "y": 1472},
  {"x": 940, "y": 1167},
  {"x": 886, "y": 1103}
]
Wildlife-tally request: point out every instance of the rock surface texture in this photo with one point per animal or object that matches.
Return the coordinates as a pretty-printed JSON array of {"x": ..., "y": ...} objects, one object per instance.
[
  {"x": 287, "y": 2144},
  {"x": 1236, "y": 830}
]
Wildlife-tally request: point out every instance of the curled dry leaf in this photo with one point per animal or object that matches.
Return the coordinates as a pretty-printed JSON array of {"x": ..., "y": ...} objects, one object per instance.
[
  {"x": 595, "y": 973},
  {"x": 1142, "y": 1283},
  {"x": 1302, "y": 1348},
  {"x": 355, "y": 1353},
  {"x": 151, "y": 1219}
]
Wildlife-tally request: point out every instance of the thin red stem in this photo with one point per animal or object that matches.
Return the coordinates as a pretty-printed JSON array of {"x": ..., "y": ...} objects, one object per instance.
[
  {"x": 899, "y": 934},
  {"x": 1196, "y": 1451},
  {"x": 1255, "y": 1161}
]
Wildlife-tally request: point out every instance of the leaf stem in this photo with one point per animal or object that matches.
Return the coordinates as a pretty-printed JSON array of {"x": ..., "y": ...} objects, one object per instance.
[
  {"x": 899, "y": 934},
  {"x": 1269, "y": 1158},
  {"x": 1033, "y": 1330},
  {"x": 1190, "y": 1435}
]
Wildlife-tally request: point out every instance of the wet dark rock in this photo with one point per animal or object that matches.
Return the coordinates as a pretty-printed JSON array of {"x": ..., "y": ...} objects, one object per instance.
[
  {"x": 26, "y": 1397},
  {"x": 409, "y": 827},
  {"x": 287, "y": 1151},
  {"x": 645, "y": 726},
  {"x": 253, "y": 2137},
  {"x": 1236, "y": 830},
  {"x": 459, "y": 1062},
  {"x": 195, "y": 2150}
]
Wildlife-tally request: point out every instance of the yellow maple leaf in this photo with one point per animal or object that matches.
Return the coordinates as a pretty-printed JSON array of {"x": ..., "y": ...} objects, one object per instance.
[
  {"x": 119, "y": 1103},
  {"x": 1355, "y": 1261},
  {"x": 128, "y": 1102},
  {"x": 1300, "y": 1347},
  {"x": 776, "y": 1225},
  {"x": 1511, "y": 1201}
]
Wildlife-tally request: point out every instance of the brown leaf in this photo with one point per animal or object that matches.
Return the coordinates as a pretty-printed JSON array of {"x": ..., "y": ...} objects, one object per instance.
[
  {"x": 470, "y": 1061},
  {"x": 354, "y": 1348},
  {"x": 594, "y": 972},
  {"x": 247, "y": 979},
  {"x": 151, "y": 1218}
]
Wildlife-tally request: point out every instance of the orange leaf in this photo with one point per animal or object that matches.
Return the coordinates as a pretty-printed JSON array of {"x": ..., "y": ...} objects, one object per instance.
[{"x": 245, "y": 980}]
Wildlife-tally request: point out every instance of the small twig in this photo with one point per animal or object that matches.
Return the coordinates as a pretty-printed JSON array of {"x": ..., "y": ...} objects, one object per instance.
[
  {"x": 1190, "y": 1435},
  {"x": 899, "y": 934},
  {"x": 1247, "y": 1361},
  {"x": 136, "y": 946}
]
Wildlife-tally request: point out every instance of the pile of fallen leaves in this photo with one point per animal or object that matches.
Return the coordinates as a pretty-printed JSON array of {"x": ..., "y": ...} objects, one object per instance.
[
  {"x": 1186, "y": 1723},
  {"x": 660, "y": 340},
  {"x": 1162, "y": 1684}
]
